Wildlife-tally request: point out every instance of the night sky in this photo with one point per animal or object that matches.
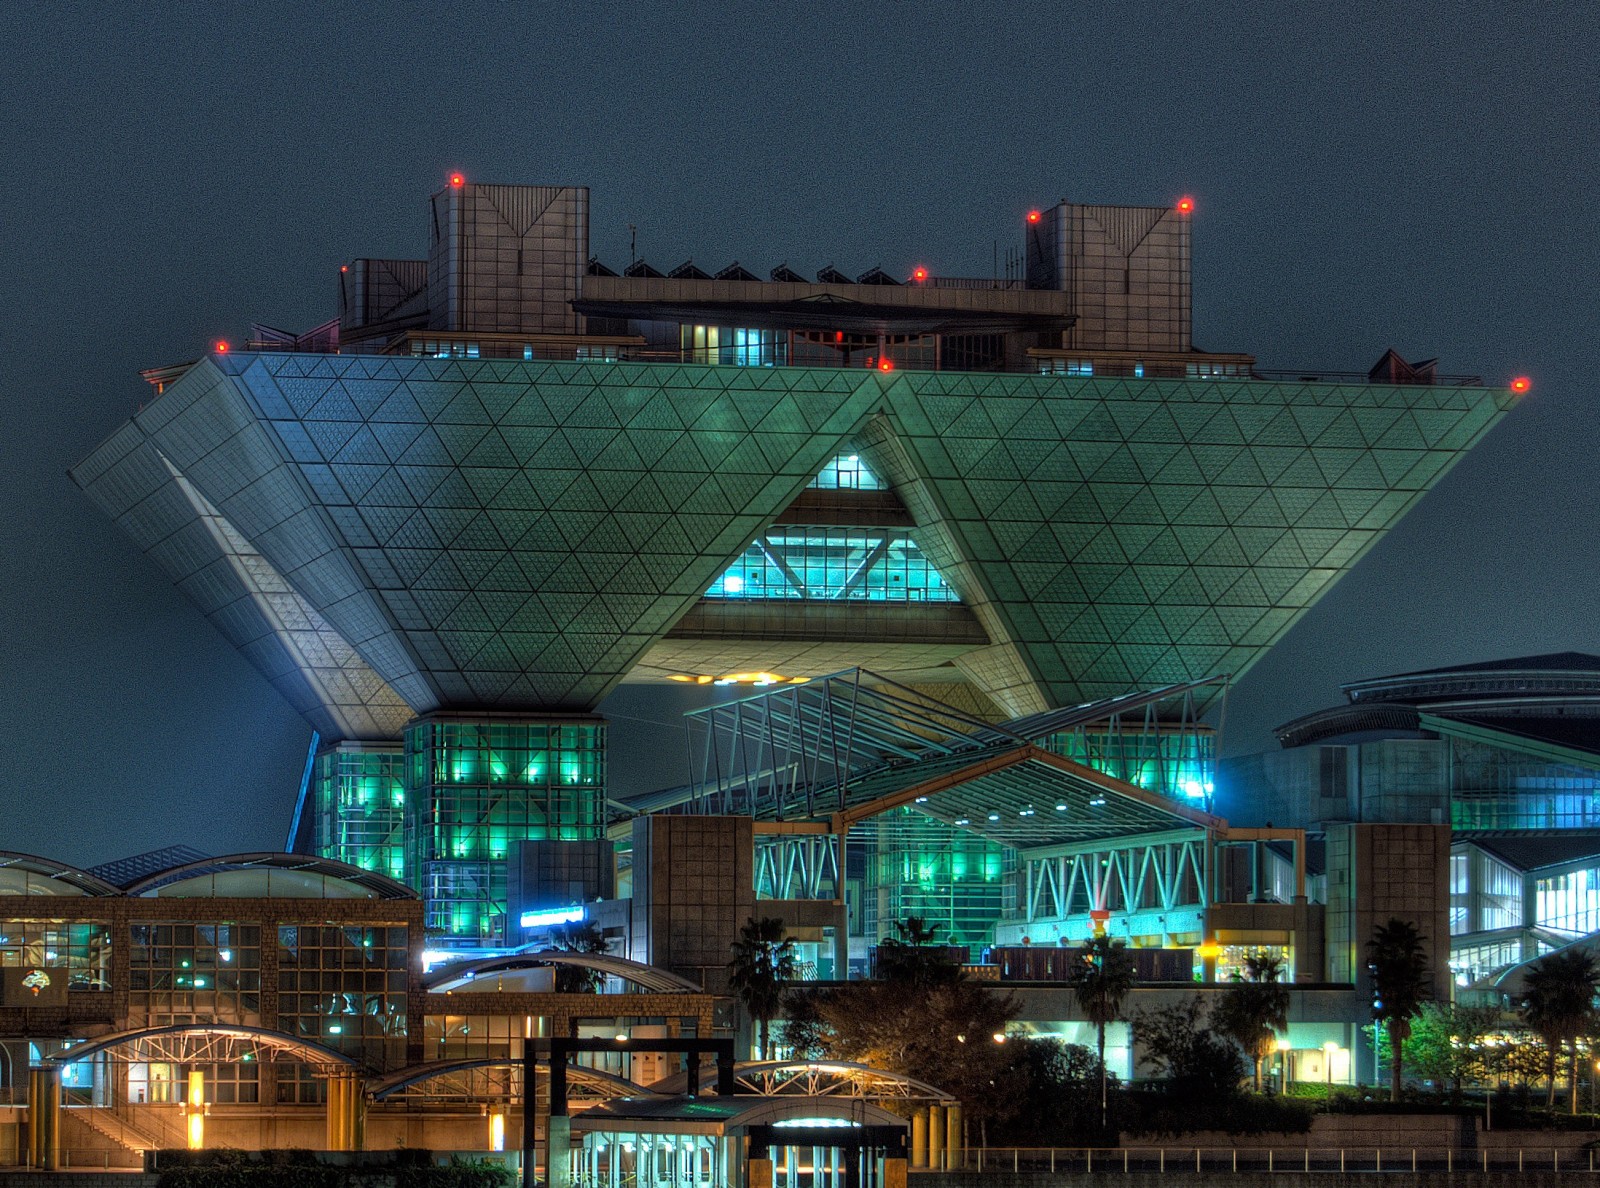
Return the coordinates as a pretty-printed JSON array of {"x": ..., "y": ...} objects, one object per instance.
[{"x": 1364, "y": 177}]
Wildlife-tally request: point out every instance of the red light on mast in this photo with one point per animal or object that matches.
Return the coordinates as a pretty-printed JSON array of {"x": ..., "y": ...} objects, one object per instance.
[
  {"x": 344, "y": 268},
  {"x": 1185, "y": 205},
  {"x": 222, "y": 346},
  {"x": 885, "y": 364},
  {"x": 919, "y": 274},
  {"x": 1521, "y": 384},
  {"x": 1034, "y": 216},
  {"x": 457, "y": 180}
]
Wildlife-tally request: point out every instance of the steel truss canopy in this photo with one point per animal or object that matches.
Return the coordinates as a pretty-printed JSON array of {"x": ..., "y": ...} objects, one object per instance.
[
  {"x": 811, "y": 1078},
  {"x": 853, "y": 745},
  {"x": 204, "y": 1043},
  {"x": 495, "y": 1077}
]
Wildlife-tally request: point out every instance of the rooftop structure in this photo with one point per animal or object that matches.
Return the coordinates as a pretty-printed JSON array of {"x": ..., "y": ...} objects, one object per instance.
[{"x": 506, "y": 479}]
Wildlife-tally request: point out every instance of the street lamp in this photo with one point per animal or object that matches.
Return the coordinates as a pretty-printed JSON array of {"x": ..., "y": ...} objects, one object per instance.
[
  {"x": 1328, "y": 1049},
  {"x": 1283, "y": 1064}
]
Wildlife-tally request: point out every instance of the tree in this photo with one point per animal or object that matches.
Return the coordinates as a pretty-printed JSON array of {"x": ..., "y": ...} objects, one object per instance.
[
  {"x": 1400, "y": 985},
  {"x": 1449, "y": 1045},
  {"x": 1179, "y": 1043},
  {"x": 578, "y": 938},
  {"x": 1101, "y": 978},
  {"x": 1558, "y": 1002},
  {"x": 913, "y": 958},
  {"x": 1053, "y": 1097},
  {"x": 952, "y": 1035},
  {"x": 763, "y": 961},
  {"x": 1254, "y": 1010}
]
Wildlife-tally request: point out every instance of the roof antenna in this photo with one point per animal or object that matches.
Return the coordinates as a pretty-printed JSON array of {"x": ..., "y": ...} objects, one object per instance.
[{"x": 633, "y": 245}]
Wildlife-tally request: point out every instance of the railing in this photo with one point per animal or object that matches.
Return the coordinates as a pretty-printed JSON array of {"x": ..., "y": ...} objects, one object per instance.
[
  {"x": 704, "y": 356},
  {"x": 1190, "y": 1160},
  {"x": 1361, "y": 377},
  {"x": 83, "y": 1159}
]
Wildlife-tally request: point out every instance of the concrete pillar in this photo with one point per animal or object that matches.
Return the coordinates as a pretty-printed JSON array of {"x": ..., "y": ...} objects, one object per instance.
[
  {"x": 558, "y": 1152},
  {"x": 952, "y": 1136},
  {"x": 936, "y": 1138},
  {"x": 919, "y": 1140},
  {"x": 44, "y": 1117}
]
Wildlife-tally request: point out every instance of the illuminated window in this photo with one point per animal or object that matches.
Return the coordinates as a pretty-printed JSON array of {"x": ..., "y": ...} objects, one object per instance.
[
  {"x": 345, "y": 987},
  {"x": 178, "y": 972},
  {"x": 478, "y": 788},
  {"x": 847, "y": 472},
  {"x": 834, "y": 564}
]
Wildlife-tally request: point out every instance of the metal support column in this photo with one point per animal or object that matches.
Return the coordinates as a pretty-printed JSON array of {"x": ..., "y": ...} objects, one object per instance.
[{"x": 44, "y": 1117}]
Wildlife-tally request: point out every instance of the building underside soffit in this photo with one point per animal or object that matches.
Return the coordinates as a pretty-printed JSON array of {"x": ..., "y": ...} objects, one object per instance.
[{"x": 500, "y": 534}]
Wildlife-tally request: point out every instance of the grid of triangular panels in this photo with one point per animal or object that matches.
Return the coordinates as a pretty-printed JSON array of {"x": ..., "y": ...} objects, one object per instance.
[
  {"x": 532, "y": 528},
  {"x": 1125, "y": 534},
  {"x": 515, "y": 535}
]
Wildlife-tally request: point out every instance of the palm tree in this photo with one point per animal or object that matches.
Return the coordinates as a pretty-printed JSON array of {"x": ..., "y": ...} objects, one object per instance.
[
  {"x": 1558, "y": 1003},
  {"x": 578, "y": 938},
  {"x": 1401, "y": 983},
  {"x": 763, "y": 961},
  {"x": 1101, "y": 978},
  {"x": 1254, "y": 1010},
  {"x": 912, "y": 958}
]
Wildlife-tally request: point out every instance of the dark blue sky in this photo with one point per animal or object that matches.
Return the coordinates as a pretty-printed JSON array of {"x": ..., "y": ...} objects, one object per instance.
[{"x": 1365, "y": 175}]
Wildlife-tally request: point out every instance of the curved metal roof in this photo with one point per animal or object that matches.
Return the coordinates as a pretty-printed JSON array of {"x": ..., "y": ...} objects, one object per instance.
[
  {"x": 376, "y": 885},
  {"x": 311, "y": 1053},
  {"x": 80, "y": 882},
  {"x": 646, "y": 977},
  {"x": 603, "y": 1083}
]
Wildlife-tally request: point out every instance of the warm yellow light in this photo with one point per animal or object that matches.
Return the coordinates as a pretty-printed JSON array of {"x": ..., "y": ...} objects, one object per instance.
[
  {"x": 197, "y": 1131},
  {"x": 1210, "y": 951},
  {"x": 736, "y": 678},
  {"x": 1330, "y": 1047},
  {"x": 497, "y": 1132},
  {"x": 1283, "y": 1043},
  {"x": 197, "y": 1089}
]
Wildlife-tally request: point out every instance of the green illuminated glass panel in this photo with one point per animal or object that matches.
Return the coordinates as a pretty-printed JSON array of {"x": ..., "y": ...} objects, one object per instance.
[
  {"x": 834, "y": 564},
  {"x": 917, "y": 866},
  {"x": 476, "y": 789},
  {"x": 1175, "y": 761},
  {"x": 360, "y": 808}
]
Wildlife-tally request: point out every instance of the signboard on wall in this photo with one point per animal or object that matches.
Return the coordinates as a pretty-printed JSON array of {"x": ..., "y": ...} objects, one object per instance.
[{"x": 33, "y": 986}]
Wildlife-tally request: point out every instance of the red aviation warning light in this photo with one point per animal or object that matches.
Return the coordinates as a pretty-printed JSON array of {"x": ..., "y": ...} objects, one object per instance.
[
  {"x": 1186, "y": 205},
  {"x": 1521, "y": 384},
  {"x": 885, "y": 364},
  {"x": 919, "y": 275},
  {"x": 221, "y": 346},
  {"x": 1034, "y": 216},
  {"x": 457, "y": 180}
]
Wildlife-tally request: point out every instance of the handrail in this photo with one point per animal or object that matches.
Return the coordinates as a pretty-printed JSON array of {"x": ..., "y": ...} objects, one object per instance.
[
  {"x": 487, "y": 349},
  {"x": 1190, "y": 1159}
]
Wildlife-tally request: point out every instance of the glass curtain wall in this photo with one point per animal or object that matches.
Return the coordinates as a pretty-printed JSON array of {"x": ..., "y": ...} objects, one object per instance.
[{"x": 475, "y": 789}]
